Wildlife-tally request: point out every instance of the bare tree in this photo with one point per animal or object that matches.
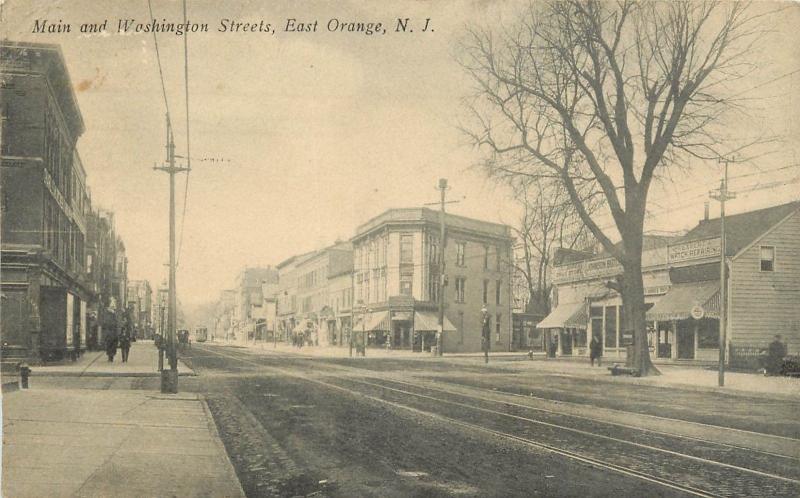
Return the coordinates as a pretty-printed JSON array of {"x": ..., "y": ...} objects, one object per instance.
[
  {"x": 603, "y": 97},
  {"x": 548, "y": 221}
]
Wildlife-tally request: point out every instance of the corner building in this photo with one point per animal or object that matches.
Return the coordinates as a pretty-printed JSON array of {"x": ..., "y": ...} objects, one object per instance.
[
  {"x": 45, "y": 203},
  {"x": 397, "y": 279}
]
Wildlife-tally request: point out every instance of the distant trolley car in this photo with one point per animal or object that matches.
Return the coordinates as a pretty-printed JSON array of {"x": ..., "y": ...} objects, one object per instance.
[{"x": 201, "y": 334}]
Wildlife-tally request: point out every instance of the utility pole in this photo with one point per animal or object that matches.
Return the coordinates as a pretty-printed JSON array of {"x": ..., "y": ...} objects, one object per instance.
[
  {"x": 169, "y": 378},
  {"x": 722, "y": 196},
  {"x": 440, "y": 330}
]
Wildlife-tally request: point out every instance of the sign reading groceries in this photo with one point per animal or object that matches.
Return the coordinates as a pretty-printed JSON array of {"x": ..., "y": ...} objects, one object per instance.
[{"x": 694, "y": 249}]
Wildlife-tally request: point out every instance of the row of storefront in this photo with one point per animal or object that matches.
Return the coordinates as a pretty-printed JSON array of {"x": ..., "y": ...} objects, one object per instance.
[{"x": 682, "y": 292}]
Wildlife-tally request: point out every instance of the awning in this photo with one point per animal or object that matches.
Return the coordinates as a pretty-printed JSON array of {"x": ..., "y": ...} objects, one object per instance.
[
  {"x": 378, "y": 321},
  {"x": 565, "y": 315},
  {"x": 678, "y": 302},
  {"x": 427, "y": 320}
]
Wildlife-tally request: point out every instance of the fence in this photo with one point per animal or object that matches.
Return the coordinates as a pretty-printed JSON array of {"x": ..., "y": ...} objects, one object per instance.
[{"x": 745, "y": 357}]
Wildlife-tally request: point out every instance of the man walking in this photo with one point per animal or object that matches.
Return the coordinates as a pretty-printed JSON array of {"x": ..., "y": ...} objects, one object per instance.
[
  {"x": 111, "y": 346},
  {"x": 125, "y": 346},
  {"x": 595, "y": 351}
]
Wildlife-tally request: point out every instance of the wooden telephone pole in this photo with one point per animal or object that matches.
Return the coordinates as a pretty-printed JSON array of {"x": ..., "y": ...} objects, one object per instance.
[{"x": 169, "y": 378}]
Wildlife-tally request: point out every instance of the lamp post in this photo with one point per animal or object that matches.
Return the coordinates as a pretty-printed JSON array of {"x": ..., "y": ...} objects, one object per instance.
[{"x": 486, "y": 333}]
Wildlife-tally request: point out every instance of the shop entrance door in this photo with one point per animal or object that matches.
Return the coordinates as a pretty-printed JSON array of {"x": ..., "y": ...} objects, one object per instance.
[
  {"x": 597, "y": 331},
  {"x": 685, "y": 340},
  {"x": 566, "y": 343}
]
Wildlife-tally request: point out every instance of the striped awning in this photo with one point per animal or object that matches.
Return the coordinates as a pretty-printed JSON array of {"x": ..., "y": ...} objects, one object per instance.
[
  {"x": 678, "y": 302},
  {"x": 425, "y": 321},
  {"x": 564, "y": 316},
  {"x": 378, "y": 321}
]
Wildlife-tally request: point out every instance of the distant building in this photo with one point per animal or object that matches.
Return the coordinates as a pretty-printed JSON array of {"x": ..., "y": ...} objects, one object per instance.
[
  {"x": 313, "y": 275},
  {"x": 140, "y": 300},
  {"x": 397, "y": 281},
  {"x": 682, "y": 291},
  {"x": 249, "y": 301},
  {"x": 45, "y": 203}
]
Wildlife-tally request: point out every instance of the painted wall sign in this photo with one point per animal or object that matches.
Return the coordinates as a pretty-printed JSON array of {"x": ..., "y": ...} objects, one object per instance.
[{"x": 695, "y": 249}]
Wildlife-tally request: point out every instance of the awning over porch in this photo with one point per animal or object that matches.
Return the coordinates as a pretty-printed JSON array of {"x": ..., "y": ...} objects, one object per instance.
[
  {"x": 678, "y": 302},
  {"x": 425, "y": 321},
  {"x": 564, "y": 316}
]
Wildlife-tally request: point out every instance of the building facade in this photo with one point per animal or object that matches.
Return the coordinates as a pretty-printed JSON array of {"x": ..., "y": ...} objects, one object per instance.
[
  {"x": 248, "y": 308},
  {"x": 682, "y": 291},
  {"x": 397, "y": 280},
  {"x": 140, "y": 302},
  {"x": 45, "y": 203}
]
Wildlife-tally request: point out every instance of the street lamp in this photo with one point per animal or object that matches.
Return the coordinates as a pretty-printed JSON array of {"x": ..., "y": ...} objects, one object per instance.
[{"x": 486, "y": 333}]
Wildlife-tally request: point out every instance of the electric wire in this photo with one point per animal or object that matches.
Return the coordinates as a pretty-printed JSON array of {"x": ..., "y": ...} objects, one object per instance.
[{"x": 188, "y": 149}]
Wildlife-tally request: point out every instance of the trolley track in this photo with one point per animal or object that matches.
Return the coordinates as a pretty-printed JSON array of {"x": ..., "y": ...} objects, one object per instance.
[{"x": 677, "y": 469}]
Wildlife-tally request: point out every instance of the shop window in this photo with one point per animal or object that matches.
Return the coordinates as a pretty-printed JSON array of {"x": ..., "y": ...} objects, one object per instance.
[
  {"x": 579, "y": 338},
  {"x": 767, "y": 258},
  {"x": 611, "y": 326},
  {"x": 497, "y": 328},
  {"x": 461, "y": 249},
  {"x": 708, "y": 334}
]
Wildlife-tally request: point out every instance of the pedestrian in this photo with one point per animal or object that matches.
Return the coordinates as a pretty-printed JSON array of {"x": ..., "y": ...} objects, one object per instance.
[
  {"x": 111, "y": 346},
  {"x": 125, "y": 346},
  {"x": 775, "y": 354},
  {"x": 595, "y": 351}
]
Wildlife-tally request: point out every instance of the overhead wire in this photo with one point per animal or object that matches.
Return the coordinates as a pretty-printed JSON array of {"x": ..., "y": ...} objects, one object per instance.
[{"x": 188, "y": 149}]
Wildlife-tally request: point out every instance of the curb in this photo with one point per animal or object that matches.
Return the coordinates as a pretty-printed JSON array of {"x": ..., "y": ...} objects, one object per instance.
[
  {"x": 106, "y": 374},
  {"x": 212, "y": 427}
]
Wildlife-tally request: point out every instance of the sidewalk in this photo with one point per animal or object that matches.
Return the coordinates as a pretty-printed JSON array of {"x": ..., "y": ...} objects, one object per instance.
[
  {"x": 93, "y": 443},
  {"x": 142, "y": 362},
  {"x": 694, "y": 378}
]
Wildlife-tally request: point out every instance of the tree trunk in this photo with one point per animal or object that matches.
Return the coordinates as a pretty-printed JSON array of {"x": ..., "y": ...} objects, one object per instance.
[{"x": 633, "y": 321}]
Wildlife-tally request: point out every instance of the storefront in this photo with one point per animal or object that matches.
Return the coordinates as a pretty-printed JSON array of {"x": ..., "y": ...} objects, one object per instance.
[{"x": 686, "y": 322}]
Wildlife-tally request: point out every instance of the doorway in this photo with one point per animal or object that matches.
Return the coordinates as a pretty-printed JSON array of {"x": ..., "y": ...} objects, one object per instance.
[
  {"x": 685, "y": 340},
  {"x": 597, "y": 331}
]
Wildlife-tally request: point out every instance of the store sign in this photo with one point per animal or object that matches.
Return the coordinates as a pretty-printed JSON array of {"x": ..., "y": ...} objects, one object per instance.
[
  {"x": 695, "y": 249},
  {"x": 597, "y": 268},
  {"x": 698, "y": 312}
]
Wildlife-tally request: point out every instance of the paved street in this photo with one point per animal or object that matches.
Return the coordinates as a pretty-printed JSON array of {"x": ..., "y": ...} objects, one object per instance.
[{"x": 298, "y": 424}]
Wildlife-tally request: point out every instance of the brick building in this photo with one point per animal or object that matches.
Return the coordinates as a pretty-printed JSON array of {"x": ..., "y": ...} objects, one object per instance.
[{"x": 45, "y": 203}]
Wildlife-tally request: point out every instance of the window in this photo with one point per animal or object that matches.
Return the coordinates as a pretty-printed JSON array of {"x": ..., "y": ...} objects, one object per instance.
[
  {"x": 461, "y": 248},
  {"x": 497, "y": 292},
  {"x": 461, "y": 327},
  {"x": 485, "y": 257},
  {"x": 460, "y": 282},
  {"x": 708, "y": 334},
  {"x": 407, "y": 248},
  {"x": 485, "y": 292},
  {"x": 497, "y": 256},
  {"x": 767, "y": 258},
  {"x": 497, "y": 328},
  {"x": 405, "y": 285}
]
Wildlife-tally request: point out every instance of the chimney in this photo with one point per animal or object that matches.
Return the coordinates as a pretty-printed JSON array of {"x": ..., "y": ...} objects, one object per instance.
[{"x": 705, "y": 216}]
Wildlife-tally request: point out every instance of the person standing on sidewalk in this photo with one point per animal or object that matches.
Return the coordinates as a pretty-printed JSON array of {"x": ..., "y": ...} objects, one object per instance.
[
  {"x": 595, "y": 351},
  {"x": 111, "y": 346},
  {"x": 125, "y": 345}
]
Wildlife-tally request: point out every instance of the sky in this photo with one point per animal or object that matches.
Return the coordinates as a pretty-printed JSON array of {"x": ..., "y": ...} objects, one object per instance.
[{"x": 319, "y": 132}]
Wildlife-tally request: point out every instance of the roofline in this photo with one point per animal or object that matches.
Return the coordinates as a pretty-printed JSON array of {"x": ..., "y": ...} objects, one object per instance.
[
  {"x": 769, "y": 231},
  {"x": 364, "y": 229},
  {"x": 56, "y": 48}
]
